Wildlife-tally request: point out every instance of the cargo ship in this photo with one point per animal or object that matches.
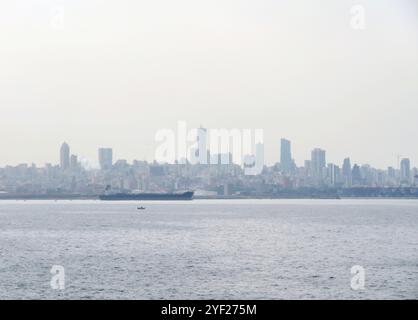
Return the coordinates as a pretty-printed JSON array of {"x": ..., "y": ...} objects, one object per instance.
[{"x": 147, "y": 196}]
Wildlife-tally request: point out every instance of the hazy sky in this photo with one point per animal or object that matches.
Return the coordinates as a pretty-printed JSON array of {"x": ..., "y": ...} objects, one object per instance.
[{"x": 111, "y": 73}]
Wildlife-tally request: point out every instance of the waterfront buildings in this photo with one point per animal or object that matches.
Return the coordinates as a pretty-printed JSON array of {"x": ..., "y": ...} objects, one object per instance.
[
  {"x": 405, "y": 171},
  {"x": 64, "y": 156},
  {"x": 286, "y": 163},
  {"x": 219, "y": 176},
  {"x": 318, "y": 161},
  {"x": 105, "y": 158}
]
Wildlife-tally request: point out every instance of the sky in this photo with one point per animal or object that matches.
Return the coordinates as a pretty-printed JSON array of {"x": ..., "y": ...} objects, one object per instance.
[{"x": 112, "y": 73}]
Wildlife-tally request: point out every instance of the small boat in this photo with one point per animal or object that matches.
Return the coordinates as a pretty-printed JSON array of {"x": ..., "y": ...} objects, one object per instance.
[{"x": 141, "y": 208}]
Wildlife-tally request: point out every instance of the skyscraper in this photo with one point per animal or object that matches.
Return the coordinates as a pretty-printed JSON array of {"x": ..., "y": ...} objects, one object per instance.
[
  {"x": 347, "y": 173},
  {"x": 356, "y": 174},
  {"x": 73, "y": 161},
  {"x": 391, "y": 173},
  {"x": 285, "y": 156},
  {"x": 64, "y": 156},
  {"x": 333, "y": 172},
  {"x": 415, "y": 176},
  {"x": 105, "y": 158},
  {"x": 318, "y": 159},
  {"x": 308, "y": 167},
  {"x": 202, "y": 149},
  {"x": 405, "y": 171}
]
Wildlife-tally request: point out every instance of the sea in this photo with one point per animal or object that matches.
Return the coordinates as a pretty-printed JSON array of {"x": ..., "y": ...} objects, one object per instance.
[{"x": 209, "y": 249}]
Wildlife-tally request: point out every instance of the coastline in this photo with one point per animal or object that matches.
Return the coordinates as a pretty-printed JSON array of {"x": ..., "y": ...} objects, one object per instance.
[{"x": 96, "y": 197}]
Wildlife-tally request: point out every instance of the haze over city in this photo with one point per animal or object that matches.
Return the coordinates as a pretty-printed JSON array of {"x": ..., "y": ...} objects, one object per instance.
[
  {"x": 100, "y": 74},
  {"x": 208, "y": 158}
]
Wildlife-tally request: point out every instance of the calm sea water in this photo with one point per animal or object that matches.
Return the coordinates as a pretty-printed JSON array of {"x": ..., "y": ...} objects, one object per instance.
[{"x": 252, "y": 249}]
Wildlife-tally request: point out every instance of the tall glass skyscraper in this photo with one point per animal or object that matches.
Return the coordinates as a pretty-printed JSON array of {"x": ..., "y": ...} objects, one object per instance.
[
  {"x": 405, "y": 171},
  {"x": 105, "y": 158},
  {"x": 348, "y": 181},
  {"x": 65, "y": 156},
  {"x": 285, "y": 155},
  {"x": 318, "y": 162}
]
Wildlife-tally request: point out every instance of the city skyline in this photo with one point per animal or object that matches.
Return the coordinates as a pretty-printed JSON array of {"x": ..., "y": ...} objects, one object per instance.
[
  {"x": 318, "y": 177},
  {"x": 318, "y": 160}
]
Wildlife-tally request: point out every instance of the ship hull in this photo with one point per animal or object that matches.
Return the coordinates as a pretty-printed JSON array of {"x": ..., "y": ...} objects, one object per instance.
[{"x": 147, "y": 196}]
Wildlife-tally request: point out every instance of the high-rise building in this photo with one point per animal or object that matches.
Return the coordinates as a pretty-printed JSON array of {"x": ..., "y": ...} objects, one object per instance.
[
  {"x": 415, "y": 176},
  {"x": 391, "y": 176},
  {"x": 333, "y": 172},
  {"x": 347, "y": 173},
  {"x": 318, "y": 160},
  {"x": 356, "y": 175},
  {"x": 105, "y": 158},
  {"x": 65, "y": 156},
  {"x": 73, "y": 161},
  {"x": 405, "y": 171},
  {"x": 202, "y": 148},
  {"x": 391, "y": 173},
  {"x": 286, "y": 162},
  {"x": 308, "y": 167},
  {"x": 200, "y": 154}
]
